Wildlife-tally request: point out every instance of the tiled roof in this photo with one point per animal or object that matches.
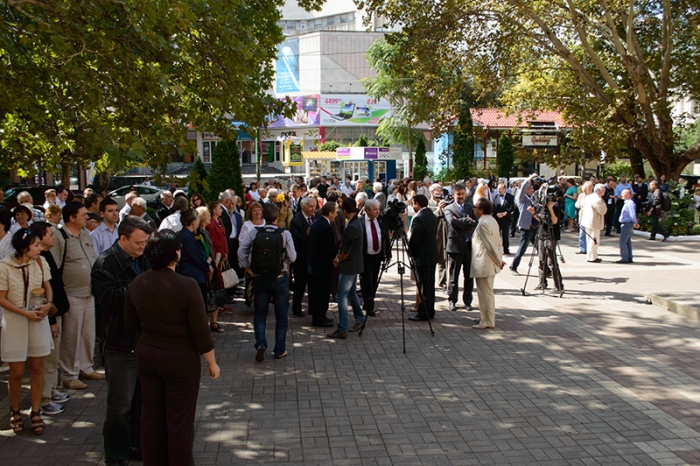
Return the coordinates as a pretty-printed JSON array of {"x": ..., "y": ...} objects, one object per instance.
[{"x": 495, "y": 118}]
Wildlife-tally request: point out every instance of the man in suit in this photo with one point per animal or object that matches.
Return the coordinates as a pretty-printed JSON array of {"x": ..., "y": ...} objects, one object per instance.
[
  {"x": 503, "y": 206},
  {"x": 138, "y": 209},
  {"x": 300, "y": 228},
  {"x": 377, "y": 249},
  {"x": 163, "y": 210},
  {"x": 233, "y": 222},
  {"x": 295, "y": 200},
  {"x": 461, "y": 221},
  {"x": 320, "y": 265},
  {"x": 640, "y": 193},
  {"x": 423, "y": 247},
  {"x": 379, "y": 196}
]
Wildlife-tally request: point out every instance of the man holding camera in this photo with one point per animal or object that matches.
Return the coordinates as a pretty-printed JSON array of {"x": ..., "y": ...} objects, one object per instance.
[
  {"x": 527, "y": 224},
  {"x": 461, "y": 222}
]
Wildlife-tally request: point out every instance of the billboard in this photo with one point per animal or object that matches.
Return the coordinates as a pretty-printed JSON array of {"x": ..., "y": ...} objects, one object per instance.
[
  {"x": 352, "y": 110},
  {"x": 287, "y": 67},
  {"x": 307, "y": 113}
]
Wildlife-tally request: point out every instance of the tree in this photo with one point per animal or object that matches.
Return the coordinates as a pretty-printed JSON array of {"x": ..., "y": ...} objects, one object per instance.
[
  {"x": 505, "y": 157},
  {"x": 225, "y": 171},
  {"x": 628, "y": 59},
  {"x": 463, "y": 143},
  {"x": 118, "y": 81},
  {"x": 361, "y": 141},
  {"x": 329, "y": 146},
  {"x": 198, "y": 178},
  {"x": 420, "y": 169}
]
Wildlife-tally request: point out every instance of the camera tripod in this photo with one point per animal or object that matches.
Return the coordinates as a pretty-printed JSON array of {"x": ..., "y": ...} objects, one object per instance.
[
  {"x": 543, "y": 238},
  {"x": 402, "y": 253}
]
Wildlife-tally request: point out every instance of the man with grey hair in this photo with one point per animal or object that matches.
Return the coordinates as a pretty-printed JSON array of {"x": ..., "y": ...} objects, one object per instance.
[
  {"x": 163, "y": 210},
  {"x": 272, "y": 194},
  {"x": 233, "y": 222},
  {"x": 376, "y": 250},
  {"x": 655, "y": 209},
  {"x": 25, "y": 198},
  {"x": 360, "y": 199},
  {"x": 593, "y": 220},
  {"x": 379, "y": 196},
  {"x": 139, "y": 209},
  {"x": 436, "y": 205},
  {"x": 128, "y": 199}
]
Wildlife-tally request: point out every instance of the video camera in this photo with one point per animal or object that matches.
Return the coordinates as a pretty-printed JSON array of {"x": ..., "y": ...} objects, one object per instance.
[
  {"x": 447, "y": 198},
  {"x": 544, "y": 192},
  {"x": 392, "y": 216}
]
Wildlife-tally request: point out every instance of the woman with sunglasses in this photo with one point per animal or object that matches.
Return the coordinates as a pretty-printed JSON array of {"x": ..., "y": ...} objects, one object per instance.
[{"x": 26, "y": 335}]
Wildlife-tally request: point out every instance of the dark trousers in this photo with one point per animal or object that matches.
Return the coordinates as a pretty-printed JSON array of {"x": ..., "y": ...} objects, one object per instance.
[
  {"x": 461, "y": 261},
  {"x": 426, "y": 284},
  {"x": 122, "y": 427},
  {"x": 504, "y": 225},
  {"x": 610, "y": 217},
  {"x": 547, "y": 255},
  {"x": 170, "y": 385},
  {"x": 368, "y": 280},
  {"x": 277, "y": 290},
  {"x": 319, "y": 297},
  {"x": 618, "y": 210},
  {"x": 301, "y": 277},
  {"x": 655, "y": 225},
  {"x": 526, "y": 237}
]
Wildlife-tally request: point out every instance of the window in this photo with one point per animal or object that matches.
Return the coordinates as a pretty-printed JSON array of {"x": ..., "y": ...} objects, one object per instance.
[
  {"x": 330, "y": 20},
  {"x": 292, "y": 25},
  {"x": 318, "y": 23}
]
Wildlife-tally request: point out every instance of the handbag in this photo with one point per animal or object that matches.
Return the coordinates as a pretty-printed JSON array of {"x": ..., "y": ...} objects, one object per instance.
[{"x": 229, "y": 275}]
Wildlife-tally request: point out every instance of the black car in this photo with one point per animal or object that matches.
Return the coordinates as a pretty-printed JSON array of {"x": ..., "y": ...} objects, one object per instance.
[{"x": 35, "y": 190}]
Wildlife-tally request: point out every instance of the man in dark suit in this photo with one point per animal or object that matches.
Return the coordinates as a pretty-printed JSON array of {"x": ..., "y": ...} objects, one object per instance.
[
  {"x": 640, "y": 193},
  {"x": 377, "y": 249},
  {"x": 320, "y": 265},
  {"x": 300, "y": 228},
  {"x": 423, "y": 247},
  {"x": 503, "y": 206},
  {"x": 233, "y": 222},
  {"x": 379, "y": 196},
  {"x": 461, "y": 222}
]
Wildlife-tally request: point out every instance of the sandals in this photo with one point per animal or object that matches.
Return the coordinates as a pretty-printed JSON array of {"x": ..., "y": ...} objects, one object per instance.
[
  {"x": 216, "y": 328},
  {"x": 16, "y": 422},
  {"x": 37, "y": 423}
]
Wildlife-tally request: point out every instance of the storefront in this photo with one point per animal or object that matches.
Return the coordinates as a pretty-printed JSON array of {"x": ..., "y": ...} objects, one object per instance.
[{"x": 374, "y": 163}]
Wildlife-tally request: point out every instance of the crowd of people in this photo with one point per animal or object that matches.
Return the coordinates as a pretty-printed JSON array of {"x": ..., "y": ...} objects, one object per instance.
[{"x": 78, "y": 274}]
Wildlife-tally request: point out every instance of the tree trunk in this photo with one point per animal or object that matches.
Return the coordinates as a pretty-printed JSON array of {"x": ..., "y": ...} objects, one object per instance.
[
  {"x": 101, "y": 182},
  {"x": 636, "y": 159},
  {"x": 65, "y": 173}
]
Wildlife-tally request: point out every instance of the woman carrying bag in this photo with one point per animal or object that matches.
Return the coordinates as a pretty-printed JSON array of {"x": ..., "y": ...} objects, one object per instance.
[{"x": 215, "y": 282}]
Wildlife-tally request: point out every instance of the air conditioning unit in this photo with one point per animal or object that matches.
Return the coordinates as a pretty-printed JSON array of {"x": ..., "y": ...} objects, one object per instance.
[{"x": 302, "y": 25}]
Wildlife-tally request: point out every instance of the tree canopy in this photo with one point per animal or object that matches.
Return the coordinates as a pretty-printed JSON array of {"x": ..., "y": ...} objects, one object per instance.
[
  {"x": 123, "y": 79},
  {"x": 613, "y": 67}
]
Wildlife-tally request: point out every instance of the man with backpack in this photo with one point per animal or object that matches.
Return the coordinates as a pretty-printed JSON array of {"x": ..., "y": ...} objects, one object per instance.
[
  {"x": 659, "y": 202},
  {"x": 266, "y": 254}
]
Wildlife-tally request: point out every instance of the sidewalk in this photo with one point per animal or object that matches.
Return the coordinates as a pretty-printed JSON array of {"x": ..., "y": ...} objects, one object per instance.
[{"x": 595, "y": 377}]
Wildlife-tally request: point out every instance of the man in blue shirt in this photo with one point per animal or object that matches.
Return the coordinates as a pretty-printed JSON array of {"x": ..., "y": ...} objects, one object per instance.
[
  {"x": 628, "y": 222},
  {"x": 619, "y": 201}
]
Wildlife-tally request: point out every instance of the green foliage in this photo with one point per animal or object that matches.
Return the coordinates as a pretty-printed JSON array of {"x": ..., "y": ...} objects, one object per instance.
[
  {"x": 617, "y": 169},
  {"x": 687, "y": 136},
  {"x": 87, "y": 79},
  {"x": 393, "y": 133},
  {"x": 505, "y": 157},
  {"x": 420, "y": 167},
  {"x": 225, "y": 171},
  {"x": 198, "y": 178},
  {"x": 446, "y": 175},
  {"x": 329, "y": 146},
  {"x": 361, "y": 141},
  {"x": 696, "y": 229},
  {"x": 463, "y": 143},
  {"x": 678, "y": 221}
]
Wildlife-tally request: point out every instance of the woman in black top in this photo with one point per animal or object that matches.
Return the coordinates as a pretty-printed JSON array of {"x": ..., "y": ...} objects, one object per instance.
[{"x": 168, "y": 310}]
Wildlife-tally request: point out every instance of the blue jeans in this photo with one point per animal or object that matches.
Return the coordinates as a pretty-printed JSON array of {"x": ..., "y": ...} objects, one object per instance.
[
  {"x": 121, "y": 430},
  {"x": 347, "y": 292},
  {"x": 582, "y": 239},
  {"x": 626, "y": 230},
  {"x": 278, "y": 289},
  {"x": 526, "y": 237}
]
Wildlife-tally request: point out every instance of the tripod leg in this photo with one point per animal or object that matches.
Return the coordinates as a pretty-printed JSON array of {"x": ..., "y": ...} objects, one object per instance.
[
  {"x": 412, "y": 266},
  {"x": 529, "y": 267}
]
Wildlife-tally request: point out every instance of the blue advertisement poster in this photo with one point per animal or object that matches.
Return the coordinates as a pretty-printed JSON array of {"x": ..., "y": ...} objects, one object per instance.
[{"x": 287, "y": 68}]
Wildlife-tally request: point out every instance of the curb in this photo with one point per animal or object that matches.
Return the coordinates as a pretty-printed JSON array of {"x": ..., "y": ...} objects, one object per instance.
[
  {"x": 672, "y": 306},
  {"x": 674, "y": 239}
]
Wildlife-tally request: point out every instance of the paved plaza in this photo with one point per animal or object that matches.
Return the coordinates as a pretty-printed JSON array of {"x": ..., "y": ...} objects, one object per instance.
[{"x": 596, "y": 377}]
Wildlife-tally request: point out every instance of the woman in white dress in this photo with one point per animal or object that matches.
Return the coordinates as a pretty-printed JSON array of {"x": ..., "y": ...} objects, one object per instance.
[{"x": 26, "y": 335}]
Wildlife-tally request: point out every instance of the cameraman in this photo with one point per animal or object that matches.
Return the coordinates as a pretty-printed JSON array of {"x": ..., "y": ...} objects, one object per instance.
[
  {"x": 527, "y": 224},
  {"x": 547, "y": 243}
]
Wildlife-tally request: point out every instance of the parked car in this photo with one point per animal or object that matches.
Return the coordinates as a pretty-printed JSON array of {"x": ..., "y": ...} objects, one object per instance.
[
  {"x": 35, "y": 190},
  {"x": 149, "y": 193}
]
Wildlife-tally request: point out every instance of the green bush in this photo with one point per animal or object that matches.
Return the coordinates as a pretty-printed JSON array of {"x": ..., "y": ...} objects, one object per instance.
[
  {"x": 505, "y": 157},
  {"x": 420, "y": 168},
  {"x": 329, "y": 146},
  {"x": 677, "y": 222},
  {"x": 617, "y": 169},
  {"x": 696, "y": 229},
  {"x": 225, "y": 171},
  {"x": 198, "y": 178}
]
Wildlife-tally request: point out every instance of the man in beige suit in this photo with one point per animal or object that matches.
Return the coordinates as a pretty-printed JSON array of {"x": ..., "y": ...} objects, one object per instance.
[
  {"x": 487, "y": 251},
  {"x": 593, "y": 220}
]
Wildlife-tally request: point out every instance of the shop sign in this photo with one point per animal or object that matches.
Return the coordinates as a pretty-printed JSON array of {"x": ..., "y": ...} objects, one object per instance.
[
  {"x": 352, "y": 110},
  {"x": 540, "y": 140},
  {"x": 368, "y": 153},
  {"x": 307, "y": 113}
]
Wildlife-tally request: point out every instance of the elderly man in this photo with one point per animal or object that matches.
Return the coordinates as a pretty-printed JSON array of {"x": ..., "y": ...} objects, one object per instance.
[
  {"x": 592, "y": 219},
  {"x": 379, "y": 196},
  {"x": 436, "y": 205},
  {"x": 138, "y": 209},
  {"x": 628, "y": 222},
  {"x": 172, "y": 222},
  {"x": 461, "y": 223},
  {"x": 377, "y": 249},
  {"x": 618, "y": 199},
  {"x": 233, "y": 222},
  {"x": 163, "y": 210},
  {"x": 128, "y": 199},
  {"x": 360, "y": 199},
  {"x": 655, "y": 209}
]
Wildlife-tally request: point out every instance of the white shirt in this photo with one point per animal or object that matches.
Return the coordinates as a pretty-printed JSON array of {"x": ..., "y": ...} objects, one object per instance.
[
  {"x": 124, "y": 212},
  {"x": 171, "y": 222},
  {"x": 370, "y": 244},
  {"x": 234, "y": 232},
  {"x": 245, "y": 229},
  {"x": 254, "y": 195},
  {"x": 347, "y": 190}
]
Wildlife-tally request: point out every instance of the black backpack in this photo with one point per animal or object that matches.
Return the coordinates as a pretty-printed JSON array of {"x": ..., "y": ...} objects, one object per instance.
[
  {"x": 268, "y": 252},
  {"x": 665, "y": 202}
]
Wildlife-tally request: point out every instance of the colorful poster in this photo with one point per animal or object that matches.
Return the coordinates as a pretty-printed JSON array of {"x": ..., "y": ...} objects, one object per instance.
[
  {"x": 307, "y": 113},
  {"x": 352, "y": 109},
  {"x": 287, "y": 67}
]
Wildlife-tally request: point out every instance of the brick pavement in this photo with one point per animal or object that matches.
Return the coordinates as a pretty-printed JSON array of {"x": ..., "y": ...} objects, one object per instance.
[{"x": 596, "y": 377}]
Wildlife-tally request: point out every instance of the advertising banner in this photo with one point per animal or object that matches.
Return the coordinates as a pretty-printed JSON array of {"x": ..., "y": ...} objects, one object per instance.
[
  {"x": 307, "y": 113},
  {"x": 287, "y": 67},
  {"x": 295, "y": 157},
  {"x": 352, "y": 110}
]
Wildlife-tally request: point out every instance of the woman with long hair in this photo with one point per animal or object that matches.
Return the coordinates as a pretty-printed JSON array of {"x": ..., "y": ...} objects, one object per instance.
[
  {"x": 197, "y": 201},
  {"x": 26, "y": 336},
  {"x": 284, "y": 220}
]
